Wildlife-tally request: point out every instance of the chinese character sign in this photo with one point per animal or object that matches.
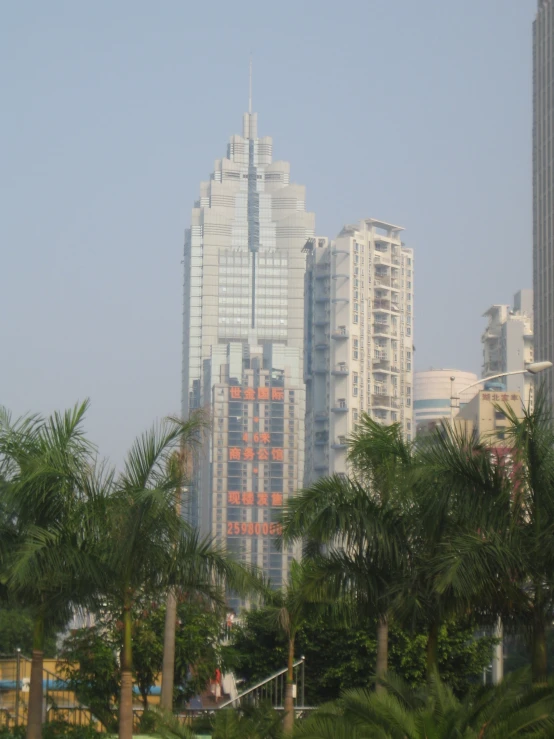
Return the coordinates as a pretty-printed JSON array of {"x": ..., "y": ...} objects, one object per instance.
[
  {"x": 248, "y": 454},
  {"x": 261, "y": 393},
  {"x": 236, "y": 498}
]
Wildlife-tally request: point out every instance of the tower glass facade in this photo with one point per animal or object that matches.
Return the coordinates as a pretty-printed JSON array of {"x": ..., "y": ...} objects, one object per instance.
[
  {"x": 543, "y": 187},
  {"x": 243, "y": 346}
]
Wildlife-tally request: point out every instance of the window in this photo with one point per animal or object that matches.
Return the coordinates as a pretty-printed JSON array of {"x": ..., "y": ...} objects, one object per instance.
[{"x": 355, "y": 348}]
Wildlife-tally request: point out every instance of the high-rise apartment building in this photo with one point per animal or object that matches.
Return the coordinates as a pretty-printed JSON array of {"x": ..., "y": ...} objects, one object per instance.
[
  {"x": 243, "y": 346},
  {"x": 359, "y": 334},
  {"x": 543, "y": 187},
  {"x": 508, "y": 343}
]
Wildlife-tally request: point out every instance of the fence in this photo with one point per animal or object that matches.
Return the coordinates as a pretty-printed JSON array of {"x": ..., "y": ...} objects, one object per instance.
[{"x": 59, "y": 702}]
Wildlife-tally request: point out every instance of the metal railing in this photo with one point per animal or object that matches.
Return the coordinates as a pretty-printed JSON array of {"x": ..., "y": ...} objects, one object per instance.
[
  {"x": 272, "y": 690},
  {"x": 59, "y": 702}
]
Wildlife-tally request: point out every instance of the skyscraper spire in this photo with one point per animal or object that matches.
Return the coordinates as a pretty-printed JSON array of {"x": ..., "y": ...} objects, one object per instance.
[{"x": 250, "y": 86}]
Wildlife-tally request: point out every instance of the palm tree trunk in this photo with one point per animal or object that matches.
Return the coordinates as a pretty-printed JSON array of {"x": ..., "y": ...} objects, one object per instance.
[
  {"x": 168, "y": 668},
  {"x": 382, "y": 650},
  {"x": 34, "y": 717},
  {"x": 288, "y": 723},
  {"x": 432, "y": 648},
  {"x": 126, "y": 694},
  {"x": 538, "y": 650}
]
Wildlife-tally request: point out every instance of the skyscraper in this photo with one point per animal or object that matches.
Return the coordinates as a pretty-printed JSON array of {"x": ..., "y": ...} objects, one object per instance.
[
  {"x": 543, "y": 187},
  {"x": 359, "y": 335},
  {"x": 243, "y": 346}
]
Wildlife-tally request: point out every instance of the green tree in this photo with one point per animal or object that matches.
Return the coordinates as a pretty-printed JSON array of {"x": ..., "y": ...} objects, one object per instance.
[
  {"x": 88, "y": 662},
  {"x": 499, "y": 555},
  {"x": 360, "y": 523},
  {"x": 289, "y": 609},
  {"x": 339, "y": 657},
  {"x": 147, "y": 548},
  {"x": 16, "y": 632},
  {"x": 400, "y": 712},
  {"x": 47, "y": 567}
]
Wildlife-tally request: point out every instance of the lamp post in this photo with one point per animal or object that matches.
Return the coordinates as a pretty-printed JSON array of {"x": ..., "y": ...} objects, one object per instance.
[{"x": 534, "y": 368}]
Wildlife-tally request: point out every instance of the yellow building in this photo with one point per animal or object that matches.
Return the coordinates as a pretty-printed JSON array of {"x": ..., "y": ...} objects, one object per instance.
[{"x": 485, "y": 414}]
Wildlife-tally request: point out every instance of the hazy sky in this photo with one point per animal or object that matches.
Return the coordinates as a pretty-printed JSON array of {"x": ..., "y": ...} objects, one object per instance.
[{"x": 417, "y": 113}]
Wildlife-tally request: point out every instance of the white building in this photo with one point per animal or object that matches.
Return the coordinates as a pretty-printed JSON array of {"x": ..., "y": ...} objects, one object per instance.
[
  {"x": 243, "y": 346},
  {"x": 508, "y": 343},
  {"x": 359, "y": 334},
  {"x": 433, "y": 391}
]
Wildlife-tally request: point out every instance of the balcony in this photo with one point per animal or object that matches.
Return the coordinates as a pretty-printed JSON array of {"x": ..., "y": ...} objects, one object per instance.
[
  {"x": 340, "y": 333},
  {"x": 341, "y": 276},
  {"x": 320, "y": 416},
  {"x": 381, "y": 328},
  {"x": 340, "y": 443},
  {"x": 340, "y": 300},
  {"x": 341, "y": 406},
  {"x": 380, "y": 401},
  {"x": 381, "y": 364},
  {"x": 321, "y": 438},
  {"x": 335, "y": 252},
  {"x": 321, "y": 322},
  {"x": 321, "y": 466},
  {"x": 395, "y": 307},
  {"x": 320, "y": 370},
  {"x": 382, "y": 281},
  {"x": 340, "y": 370},
  {"x": 323, "y": 298},
  {"x": 381, "y": 305},
  {"x": 322, "y": 345}
]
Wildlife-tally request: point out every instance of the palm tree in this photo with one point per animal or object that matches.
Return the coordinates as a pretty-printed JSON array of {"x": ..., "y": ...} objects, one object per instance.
[
  {"x": 290, "y": 609},
  {"x": 494, "y": 514},
  {"x": 354, "y": 528},
  {"x": 48, "y": 566},
  {"x": 182, "y": 458},
  {"x": 148, "y": 549},
  {"x": 512, "y": 709}
]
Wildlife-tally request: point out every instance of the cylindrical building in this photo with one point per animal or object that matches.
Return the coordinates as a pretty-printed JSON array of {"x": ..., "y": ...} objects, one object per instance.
[{"x": 433, "y": 390}]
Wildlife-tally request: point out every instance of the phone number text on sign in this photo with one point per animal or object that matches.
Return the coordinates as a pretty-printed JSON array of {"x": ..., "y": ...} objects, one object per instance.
[{"x": 253, "y": 529}]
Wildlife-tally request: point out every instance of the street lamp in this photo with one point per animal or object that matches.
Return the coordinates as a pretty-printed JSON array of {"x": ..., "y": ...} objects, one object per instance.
[{"x": 534, "y": 368}]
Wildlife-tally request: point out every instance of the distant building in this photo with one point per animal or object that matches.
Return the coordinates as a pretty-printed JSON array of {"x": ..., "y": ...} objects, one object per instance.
[
  {"x": 433, "y": 391},
  {"x": 243, "y": 347},
  {"x": 358, "y": 339},
  {"x": 508, "y": 343},
  {"x": 543, "y": 187},
  {"x": 484, "y": 416}
]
